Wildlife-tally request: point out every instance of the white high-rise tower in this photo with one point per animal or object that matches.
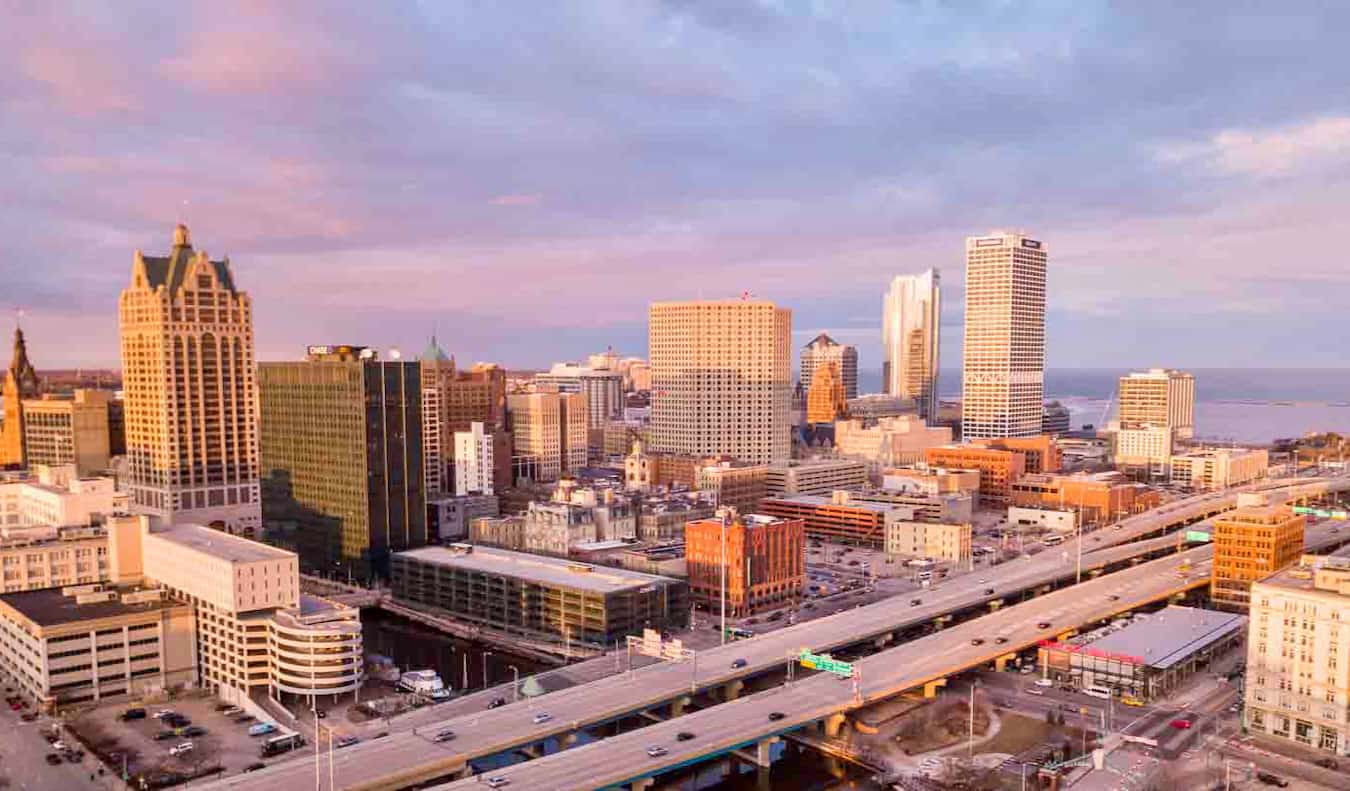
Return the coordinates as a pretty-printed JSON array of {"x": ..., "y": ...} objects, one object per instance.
[{"x": 910, "y": 333}]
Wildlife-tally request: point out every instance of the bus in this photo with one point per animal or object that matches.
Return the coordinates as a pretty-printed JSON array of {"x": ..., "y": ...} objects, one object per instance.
[
  {"x": 282, "y": 744},
  {"x": 1097, "y": 692},
  {"x": 737, "y": 633}
]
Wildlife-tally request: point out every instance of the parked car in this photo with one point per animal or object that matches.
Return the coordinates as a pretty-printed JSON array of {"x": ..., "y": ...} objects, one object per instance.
[
  {"x": 495, "y": 702},
  {"x": 255, "y": 766},
  {"x": 1180, "y": 724},
  {"x": 1035, "y": 691},
  {"x": 1043, "y": 625},
  {"x": 346, "y": 741},
  {"x": 232, "y": 710},
  {"x": 915, "y": 602},
  {"x": 1327, "y": 763},
  {"x": 775, "y": 716},
  {"x": 1272, "y": 780},
  {"x": 261, "y": 729},
  {"x": 1044, "y": 682},
  {"x": 738, "y": 664},
  {"x": 133, "y": 714},
  {"x": 181, "y": 749},
  {"x": 164, "y": 736},
  {"x": 194, "y": 731},
  {"x": 242, "y": 718},
  {"x": 53, "y": 759},
  {"x": 977, "y": 641},
  {"x": 1131, "y": 700},
  {"x": 28, "y": 716},
  {"x": 224, "y": 706}
]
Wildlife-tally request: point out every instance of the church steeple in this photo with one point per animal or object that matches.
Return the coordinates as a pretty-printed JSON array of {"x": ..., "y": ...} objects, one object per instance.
[{"x": 25, "y": 375}]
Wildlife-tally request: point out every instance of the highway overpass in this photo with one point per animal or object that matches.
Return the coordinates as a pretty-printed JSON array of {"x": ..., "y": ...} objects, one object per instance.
[{"x": 406, "y": 758}]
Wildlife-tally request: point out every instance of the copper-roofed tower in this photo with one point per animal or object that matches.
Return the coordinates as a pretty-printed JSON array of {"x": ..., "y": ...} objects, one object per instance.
[
  {"x": 191, "y": 400},
  {"x": 21, "y": 381},
  {"x": 824, "y": 349}
]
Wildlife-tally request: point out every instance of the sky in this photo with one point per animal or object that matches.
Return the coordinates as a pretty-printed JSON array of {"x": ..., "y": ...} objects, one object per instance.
[{"x": 524, "y": 178}]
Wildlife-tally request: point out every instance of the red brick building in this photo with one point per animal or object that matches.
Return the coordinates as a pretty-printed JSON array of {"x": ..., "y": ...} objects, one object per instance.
[{"x": 765, "y": 557}]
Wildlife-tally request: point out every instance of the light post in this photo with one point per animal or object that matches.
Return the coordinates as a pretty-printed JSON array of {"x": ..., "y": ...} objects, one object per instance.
[
  {"x": 515, "y": 685},
  {"x": 726, "y": 515},
  {"x": 486, "y": 654},
  {"x": 970, "y": 745}
]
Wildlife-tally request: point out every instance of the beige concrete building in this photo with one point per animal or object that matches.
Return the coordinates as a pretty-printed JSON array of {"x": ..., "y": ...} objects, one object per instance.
[
  {"x": 932, "y": 481},
  {"x": 548, "y": 433},
  {"x": 191, "y": 400},
  {"x": 911, "y": 323},
  {"x": 934, "y": 540},
  {"x": 1298, "y": 655},
  {"x": 507, "y": 532},
  {"x": 740, "y": 486},
  {"x": 1219, "y": 468},
  {"x": 1003, "y": 368},
  {"x": 58, "y": 497},
  {"x": 89, "y": 642},
  {"x": 721, "y": 379},
  {"x": 602, "y": 387},
  {"x": 68, "y": 430},
  {"x": 32, "y": 558},
  {"x": 888, "y": 441},
  {"x": 1154, "y": 409},
  {"x": 814, "y": 476}
]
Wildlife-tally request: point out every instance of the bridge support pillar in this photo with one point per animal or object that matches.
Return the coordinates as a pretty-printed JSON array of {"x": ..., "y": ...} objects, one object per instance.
[
  {"x": 995, "y": 604},
  {"x": 533, "y": 750},
  {"x": 1001, "y": 663},
  {"x": 883, "y": 640},
  {"x": 642, "y": 784},
  {"x": 677, "y": 705},
  {"x": 930, "y": 689},
  {"x": 834, "y": 724},
  {"x": 733, "y": 690},
  {"x": 567, "y": 740},
  {"x": 762, "y": 749}
]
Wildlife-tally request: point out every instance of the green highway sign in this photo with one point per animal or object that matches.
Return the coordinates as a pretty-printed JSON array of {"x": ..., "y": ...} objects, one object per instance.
[
  {"x": 824, "y": 662},
  {"x": 1197, "y": 535},
  {"x": 1320, "y": 513}
]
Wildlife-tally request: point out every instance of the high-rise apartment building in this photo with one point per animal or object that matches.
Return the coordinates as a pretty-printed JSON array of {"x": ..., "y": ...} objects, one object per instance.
[
  {"x": 1155, "y": 408},
  {"x": 482, "y": 461},
  {"x": 602, "y": 387},
  {"x": 911, "y": 316},
  {"x": 341, "y": 447},
  {"x": 1003, "y": 362},
  {"x": 825, "y": 397},
  {"x": 452, "y": 399},
  {"x": 548, "y": 433},
  {"x": 1298, "y": 640},
  {"x": 188, "y": 379},
  {"x": 1252, "y": 543},
  {"x": 21, "y": 382},
  {"x": 765, "y": 561},
  {"x": 824, "y": 349},
  {"x": 721, "y": 378}
]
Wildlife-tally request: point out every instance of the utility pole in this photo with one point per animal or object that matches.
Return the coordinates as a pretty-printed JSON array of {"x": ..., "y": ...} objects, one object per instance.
[
  {"x": 970, "y": 746},
  {"x": 725, "y": 516}
]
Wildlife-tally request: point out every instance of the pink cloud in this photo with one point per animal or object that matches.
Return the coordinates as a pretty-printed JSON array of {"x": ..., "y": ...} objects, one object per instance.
[
  {"x": 530, "y": 199},
  {"x": 78, "y": 79}
]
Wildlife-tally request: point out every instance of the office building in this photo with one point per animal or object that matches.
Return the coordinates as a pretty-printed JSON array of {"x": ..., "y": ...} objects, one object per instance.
[
  {"x": 530, "y": 595},
  {"x": 931, "y": 481},
  {"x": 1056, "y": 419},
  {"x": 57, "y": 497},
  {"x": 1040, "y": 453},
  {"x": 825, "y": 397},
  {"x": 739, "y": 486},
  {"x": 70, "y": 429},
  {"x": 452, "y": 400},
  {"x": 1297, "y": 684},
  {"x": 876, "y": 406},
  {"x": 662, "y": 517},
  {"x": 1145, "y": 449},
  {"x": 862, "y": 517},
  {"x": 579, "y": 515},
  {"x": 84, "y": 643},
  {"x": 548, "y": 433},
  {"x": 342, "y": 458},
  {"x": 949, "y": 543},
  {"x": 1003, "y": 363},
  {"x": 911, "y": 323},
  {"x": 814, "y": 476},
  {"x": 998, "y": 468},
  {"x": 825, "y": 350},
  {"x": 1158, "y": 397},
  {"x": 945, "y": 507},
  {"x": 721, "y": 379},
  {"x": 1219, "y": 468},
  {"x": 448, "y": 518},
  {"x": 602, "y": 388},
  {"x": 506, "y": 532},
  {"x": 21, "y": 383},
  {"x": 188, "y": 379},
  {"x": 1252, "y": 543},
  {"x": 889, "y": 441},
  {"x": 1098, "y": 498},
  {"x": 1150, "y": 658},
  {"x": 482, "y": 460},
  {"x": 765, "y": 561}
]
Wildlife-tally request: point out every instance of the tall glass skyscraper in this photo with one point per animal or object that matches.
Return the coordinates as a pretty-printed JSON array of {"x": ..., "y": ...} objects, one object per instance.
[{"x": 910, "y": 318}]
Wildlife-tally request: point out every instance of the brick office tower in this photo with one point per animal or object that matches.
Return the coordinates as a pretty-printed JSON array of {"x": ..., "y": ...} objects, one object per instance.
[{"x": 765, "y": 558}]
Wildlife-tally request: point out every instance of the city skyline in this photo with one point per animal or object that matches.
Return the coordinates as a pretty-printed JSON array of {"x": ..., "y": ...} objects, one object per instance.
[{"x": 671, "y": 160}]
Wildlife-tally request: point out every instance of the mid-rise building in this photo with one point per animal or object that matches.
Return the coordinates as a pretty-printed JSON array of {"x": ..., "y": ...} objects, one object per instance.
[
  {"x": 506, "y": 532},
  {"x": 191, "y": 400},
  {"x": 1040, "y": 452},
  {"x": 932, "y": 481},
  {"x": 875, "y": 406},
  {"x": 482, "y": 460},
  {"x": 538, "y": 596},
  {"x": 888, "y": 441},
  {"x": 814, "y": 476},
  {"x": 1056, "y": 419},
  {"x": 998, "y": 468},
  {"x": 1298, "y": 676},
  {"x": 1250, "y": 544},
  {"x": 69, "y": 429},
  {"x": 911, "y": 321},
  {"x": 1145, "y": 449},
  {"x": 452, "y": 400},
  {"x": 824, "y": 350},
  {"x": 32, "y": 558},
  {"x": 1154, "y": 409},
  {"x": 448, "y": 518},
  {"x": 1097, "y": 498},
  {"x": 342, "y": 455},
  {"x": 950, "y": 543},
  {"x": 662, "y": 517},
  {"x": 764, "y": 557},
  {"x": 602, "y": 387},
  {"x": 739, "y": 486},
  {"x": 549, "y": 434},
  {"x": 863, "y": 517},
  {"x": 57, "y": 497},
  {"x": 644, "y": 470},
  {"x": 579, "y": 515},
  {"x": 1003, "y": 363},
  {"x": 20, "y": 383},
  {"x": 721, "y": 379},
  {"x": 1219, "y": 468},
  {"x": 825, "y": 397}
]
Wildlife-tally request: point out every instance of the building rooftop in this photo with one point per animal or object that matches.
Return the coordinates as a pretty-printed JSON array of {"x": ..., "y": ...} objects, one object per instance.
[
  {"x": 1303, "y": 575},
  {"x": 51, "y": 607},
  {"x": 1169, "y": 636},
  {"x": 817, "y": 500},
  {"x": 535, "y": 568},
  {"x": 220, "y": 544}
]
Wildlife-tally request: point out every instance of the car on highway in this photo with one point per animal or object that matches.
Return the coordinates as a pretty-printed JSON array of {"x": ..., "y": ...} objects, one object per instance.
[
  {"x": 1272, "y": 780},
  {"x": 53, "y": 759},
  {"x": 988, "y": 591},
  {"x": 1044, "y": 682},
  {"x": 1034, "y": 691},
  {"x": 656, "y": 751},
  {"x": 738, "y": 664},
  {"x": 1000, "y": 639},
  {"x": 444, "y": 736},
  {"x": 1180, "y": 724},
  {"x": 542, "y": 717},
  {"x": 915, "y": 602},
  {"x": 495, "y": 702},
  {"x": 775, "y": 716},
  {"x": 346, "y": 741},
  {"x": 977, "y": 641},
  {"x": 683, "y": 736},
  {"x": 1044, "y": 625},
  {"x": 255, "y": 766},
  {"x": 497, "y": 781},
  {"x": 1327, "y": 763}
]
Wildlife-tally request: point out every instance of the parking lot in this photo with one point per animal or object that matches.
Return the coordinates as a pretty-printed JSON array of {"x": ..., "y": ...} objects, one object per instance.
[{"x": 225, "y": 743}]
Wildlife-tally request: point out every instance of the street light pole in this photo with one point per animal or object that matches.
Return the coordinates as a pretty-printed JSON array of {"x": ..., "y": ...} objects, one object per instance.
[
  {"x": 486, "y": 654},
  {"x": 725, "y": 515},
  {"x": 515, "y": 685}
]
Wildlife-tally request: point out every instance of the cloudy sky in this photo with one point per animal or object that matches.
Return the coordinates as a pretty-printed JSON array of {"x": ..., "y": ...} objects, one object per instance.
[{"x": 525, "y": 177}]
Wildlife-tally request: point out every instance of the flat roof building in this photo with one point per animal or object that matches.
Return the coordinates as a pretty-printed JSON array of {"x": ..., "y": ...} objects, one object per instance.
[
  {"x": 998, "y": 468},
  {"x": 1219, "y": 468},
  {"x": 814, "y": 476},
  {"x": 1252, "y": 543},
  {"x": 537, "y": 596},
  {"x": 765, "y": 561}
]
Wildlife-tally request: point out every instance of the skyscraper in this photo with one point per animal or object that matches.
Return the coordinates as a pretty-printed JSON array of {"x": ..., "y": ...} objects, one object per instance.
[
  {"x": 21, "y": 382},
  {"x": 452, "y": 400},
  {"x": 1003, "y": 364},
  {"x": 188, "y": 379},
  {"x": 1155, "y": 408},
  {"x": 602, "y": 387},
  {"x": 341, "y": 451},
  {"x": 825, "y": 398},
  {"x": 721, "y": 378},
  {"x": 548, "y": 434},
  {"x": 824, "y": 349},
  {"x": 911, "y": 315}
]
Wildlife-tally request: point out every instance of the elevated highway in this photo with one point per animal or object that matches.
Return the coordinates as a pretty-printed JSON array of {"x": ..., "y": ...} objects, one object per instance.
[{"x": 407, "y": 758}]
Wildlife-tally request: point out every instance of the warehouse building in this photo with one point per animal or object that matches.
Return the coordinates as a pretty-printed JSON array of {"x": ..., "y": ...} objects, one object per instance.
[{"x": 1148, "y": 658}]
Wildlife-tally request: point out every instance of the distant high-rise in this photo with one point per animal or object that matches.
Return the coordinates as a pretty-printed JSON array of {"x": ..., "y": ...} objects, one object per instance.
[
  {"x": 1154, "y": 409},
  {"x": 341, "y": 449},
  {"x": 188, "y": 379},
  {"x": 911, "y": 317},
  {"x": 602, "y": 387},
  {"x": 21, "y": 382},
  {"x": 548, "y": 434},
  {"x": 452, "y": 400},
  {"x": 1003, "y": 363},
  {"x": 824, "y": 349},
  {"x": 825, "y": 398},
  {"x": 721, "y": 378}
]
